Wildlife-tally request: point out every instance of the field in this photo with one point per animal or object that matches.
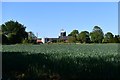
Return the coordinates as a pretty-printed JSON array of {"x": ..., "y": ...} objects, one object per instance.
[{"x": 61, "y": 62}]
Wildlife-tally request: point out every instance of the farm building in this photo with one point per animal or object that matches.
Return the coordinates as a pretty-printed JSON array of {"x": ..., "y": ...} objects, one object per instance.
[
  {"x": 39, "y": 41},
  {"x": 62, "y": 37}
]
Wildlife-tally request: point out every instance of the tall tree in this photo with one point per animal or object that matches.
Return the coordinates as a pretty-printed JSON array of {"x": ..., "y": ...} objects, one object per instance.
[
  {"x": 119, "y": 38},
  {"x": 71, "y": 39},
  {"x": 4, "y": 39},
  {"x": 14, "y": 31},
  {"x": 108, "y": 37},
  {"x": 116, "y": 39},
  {"x": 84, "y": 37},
  {"x": 97, "y": 35},
  {"x": 74, "y": 34},
  {"x": 31, "y": 37}
]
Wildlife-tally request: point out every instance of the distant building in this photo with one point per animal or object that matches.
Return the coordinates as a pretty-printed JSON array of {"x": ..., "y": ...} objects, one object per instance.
[
  {"x": 46, "y": 40},
  {"x": 62, "y": 37},
  {"x": 62, "y": 32},
  {"x": 39, "y": 41}
]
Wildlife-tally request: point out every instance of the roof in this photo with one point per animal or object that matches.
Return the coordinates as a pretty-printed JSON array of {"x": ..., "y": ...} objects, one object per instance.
[
  {"x": 39, "y": 41},
  {"x": 64, "y": 37}
]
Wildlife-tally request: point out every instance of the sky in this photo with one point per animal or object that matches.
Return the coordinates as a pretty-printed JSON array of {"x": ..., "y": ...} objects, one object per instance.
[
  {"x": 60, "y": 0},
  {"x": 48, "y": 18}
]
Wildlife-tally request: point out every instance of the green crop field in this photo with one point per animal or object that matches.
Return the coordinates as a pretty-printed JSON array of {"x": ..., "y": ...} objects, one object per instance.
[{"x": 61, "y": 62}]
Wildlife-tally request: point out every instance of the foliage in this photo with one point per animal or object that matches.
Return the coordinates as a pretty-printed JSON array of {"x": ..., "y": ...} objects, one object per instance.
[
  {"x": 84, "y": 37},
  {"x": 97, "y": 35},
  {"x": 108, "y": 37},
  {"x": 74, "y": 34},
  {"x": 13, "y": 38},
  {"x": 31, "y": 35},
  {"x": 14, "y": 31},
  {"x": 25, "y": 41},
  {"x": 4, "y": 39},
  {"x": 72, "y": 40},
  {"x": 116, "y": 39}
]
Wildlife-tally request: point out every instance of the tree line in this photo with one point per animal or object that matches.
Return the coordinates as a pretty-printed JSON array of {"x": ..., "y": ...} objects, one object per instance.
[
  {"x": 14, "y": 32},
  {"x": 96, "y": 36}
]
